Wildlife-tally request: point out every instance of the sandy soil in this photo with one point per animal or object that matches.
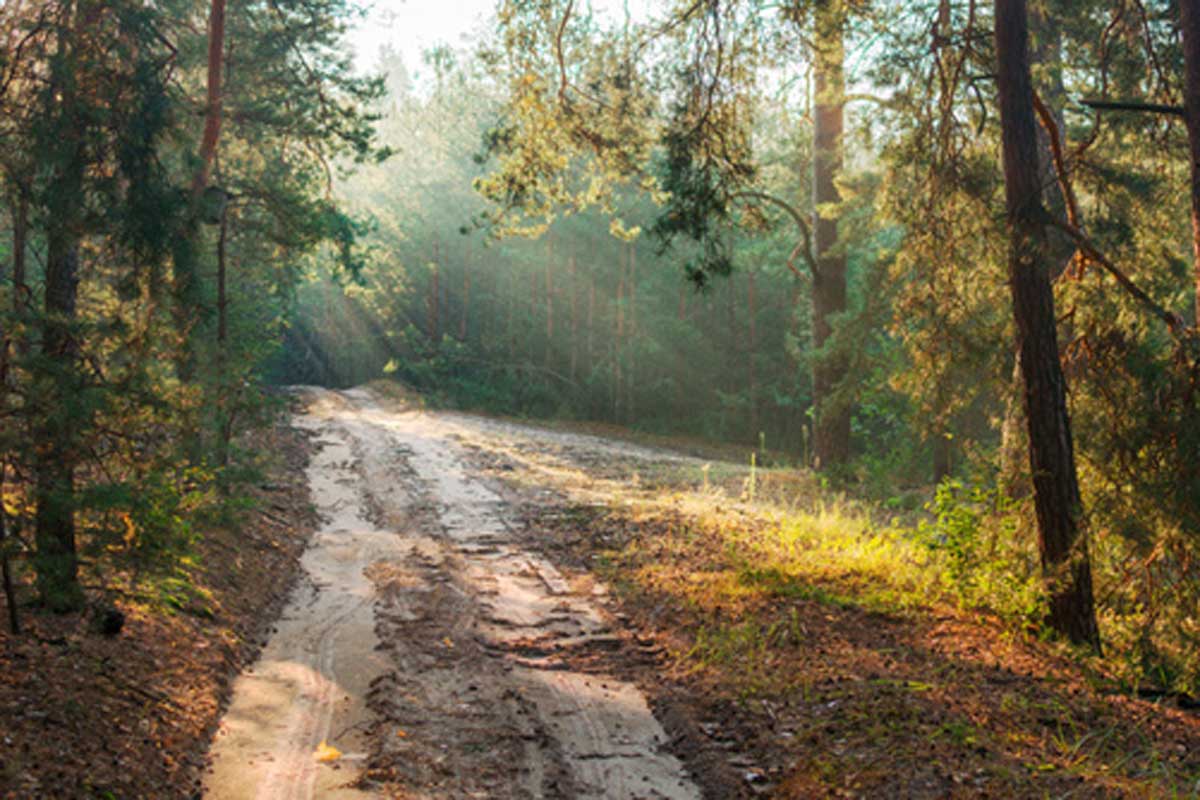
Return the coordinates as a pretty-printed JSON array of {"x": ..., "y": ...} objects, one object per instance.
[{"x": 426, "y": 632}]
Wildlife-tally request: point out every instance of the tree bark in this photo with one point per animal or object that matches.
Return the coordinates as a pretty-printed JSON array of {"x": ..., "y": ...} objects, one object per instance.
[
  {"x": 630, "y": 377},
  {"x": 57, "y": 428},
  {"x": 574, "y": 368},
  {"x": 831, "y": 427},
  {"x": 943, "y": 461},
  {"x": 618, "y": 340},
  {"x": 510, "y": 324},
  {"x": 1062, "y": 540},
  {"x": 752, "y": 346},
  {"x": 20, "y": 235},
  {"x": 1189, "y": 18},
  {"x": 1046, "y": 51},
  {"x": 435, "y": 300},
  {"x": 57, "y": 434},
  {"x": 591, "y": 328},
  {"x": 186, "y": 282},
  {"x": 466, "y": 300},
  {"x": 20, "y": 221},
  {"x": 549, "y": 302},
  {"x": 212, "y": 110},
  {"x": 224, "y": 418}
]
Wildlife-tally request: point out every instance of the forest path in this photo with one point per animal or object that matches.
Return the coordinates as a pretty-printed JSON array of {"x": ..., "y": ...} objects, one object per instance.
[{"x": 424, "y": 627}]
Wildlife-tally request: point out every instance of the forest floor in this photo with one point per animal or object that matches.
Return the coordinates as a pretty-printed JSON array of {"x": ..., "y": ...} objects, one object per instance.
[
  {"x": 500, "y": 610},
  {"x": 130, "y": 717},
  {"x": 564, "y": 615}
]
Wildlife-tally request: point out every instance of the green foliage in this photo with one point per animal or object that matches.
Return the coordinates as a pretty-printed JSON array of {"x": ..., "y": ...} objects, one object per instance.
[
  {"x": 989, "y": 562},
  {"x": 124, "y": 400}
]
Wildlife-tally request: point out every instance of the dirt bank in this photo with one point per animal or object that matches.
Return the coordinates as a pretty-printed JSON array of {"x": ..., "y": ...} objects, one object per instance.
[{"x": 130, "y": 717}]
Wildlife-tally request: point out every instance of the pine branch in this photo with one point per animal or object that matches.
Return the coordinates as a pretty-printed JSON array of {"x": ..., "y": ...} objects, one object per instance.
[
  {"x": 804, "y": 247},
  {"x": 1123, "y": 105},
  {"x": 1174, "y": 322},
  {"x": 1071, "y": 226}
]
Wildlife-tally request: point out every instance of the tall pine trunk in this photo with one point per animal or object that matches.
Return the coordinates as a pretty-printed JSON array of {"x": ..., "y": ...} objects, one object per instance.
[
  {"x": 57, "y": 429},
  {"x": 549, "y": 268},
  {"x": 466, "y": 299},
  {"x": 20, "y": 236},
  {"x": 434, "y": 301},
  {"x": 631, "y": 377},
  {"x": 574, "y": 365},
  {"x": 751, "y": 348},
  {"x": 1062, "y": 540},
  {"x": 1046, "y": 53},
  {"x": 618, "y": 340},
  {"x": 591, "y": 324},
  {"x": 831, "y": 428},
  {"x": 225, "y": 415},
  {"x": 20, "y": 226},
  {"x": 187, "y": 290},
  {"x": 1189, "y": 18}
]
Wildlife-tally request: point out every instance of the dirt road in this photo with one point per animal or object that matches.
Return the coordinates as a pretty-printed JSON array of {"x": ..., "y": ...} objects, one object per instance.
[{"x": 426, "y": 645}]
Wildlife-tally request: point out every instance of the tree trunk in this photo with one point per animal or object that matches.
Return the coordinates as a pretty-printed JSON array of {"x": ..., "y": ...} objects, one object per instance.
[
  {"x": 592, "y": 314},
  {"x": 1063, "y": 542},
  {"x": 630, "y": 377},
  {"x": 57, "y": 429},
  {"x": 1045, "y": 51},
  {"x": 225, "y": 422},
  {"x": 751, "y": 348},
  {"x": 20, "y": 221},
  {"x": 531, "y": 317},
  {"x": 435, "y": 299},
  {"x": 56, "y": 562},
  {"x": 943, "y": 462},
  {"x": 20, "y": 235},
  {"x": 510, "y": 324},
  {"x": 212, "y": 113},
  {"x": 186, "y": 283},
  {"x": 10, "y": 595},
  {"x": 618, "y": 340},
  {"x": 466, "y": 300},
  {"x": 1189, "y": 18},
  {"x": 831, "y": 427},
  {"x": 574, "y": 369},
  {"x": 1014, "y": 439},
  {"x": 549, "y": 302}
]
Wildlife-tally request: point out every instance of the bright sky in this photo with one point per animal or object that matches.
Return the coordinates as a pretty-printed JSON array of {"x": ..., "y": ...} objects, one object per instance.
[{"x": 412, "y": 26}]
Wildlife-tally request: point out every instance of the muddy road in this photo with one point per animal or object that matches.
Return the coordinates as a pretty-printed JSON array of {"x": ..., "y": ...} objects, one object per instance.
[{"x": 438, "y": 655}]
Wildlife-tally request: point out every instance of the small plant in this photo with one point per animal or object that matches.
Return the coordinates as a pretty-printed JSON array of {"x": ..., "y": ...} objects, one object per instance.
[{"x": 975, "y": 533}]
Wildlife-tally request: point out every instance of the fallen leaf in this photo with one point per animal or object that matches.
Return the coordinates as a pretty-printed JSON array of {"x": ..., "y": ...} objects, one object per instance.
[{"x": 327, "y": 752}]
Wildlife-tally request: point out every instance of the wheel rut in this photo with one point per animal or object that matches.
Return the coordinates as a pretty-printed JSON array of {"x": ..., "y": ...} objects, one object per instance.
[{"x": 426, "y": 632}]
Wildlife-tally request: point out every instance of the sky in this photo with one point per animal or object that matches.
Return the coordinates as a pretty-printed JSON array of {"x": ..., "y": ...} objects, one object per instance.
[{"x": 412, "y": 26}]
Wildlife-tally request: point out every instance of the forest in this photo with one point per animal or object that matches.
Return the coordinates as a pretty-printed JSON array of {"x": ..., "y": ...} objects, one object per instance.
[{"x": 809, "y": 329}]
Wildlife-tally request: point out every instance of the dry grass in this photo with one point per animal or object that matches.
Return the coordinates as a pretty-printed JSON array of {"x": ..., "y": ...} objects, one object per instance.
[{"x": 833, "y": 634}]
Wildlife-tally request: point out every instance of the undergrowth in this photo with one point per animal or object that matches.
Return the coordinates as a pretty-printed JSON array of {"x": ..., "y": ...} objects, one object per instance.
[
  {"x": 783, "y": 535},
  {"x": 826, "y": 605}
]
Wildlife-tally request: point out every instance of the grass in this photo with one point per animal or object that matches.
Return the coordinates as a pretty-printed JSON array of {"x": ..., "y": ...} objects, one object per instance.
[
  {"x": 865, "y": 654},
  {"x": 840, "y": 618}
]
